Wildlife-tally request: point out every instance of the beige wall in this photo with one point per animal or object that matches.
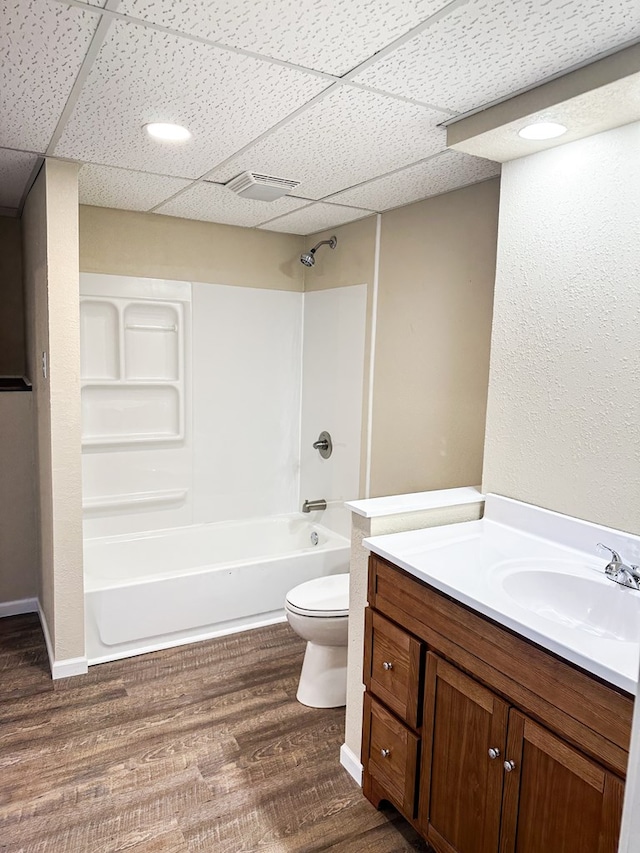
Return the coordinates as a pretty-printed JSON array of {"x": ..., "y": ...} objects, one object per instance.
[
  {"x": 12, "y": 360},
  {"x": 18, "y": 539},
  {"x": 122, "y": 242},
  {"x": 34, "y": 233},
  {"x": 18, "y": 520},
  {"x": 563, "y": 422},
  {"x": 351, "y": 262},
  {"x": 50, "y": 221},
  {"x": 437, "y": 267}
]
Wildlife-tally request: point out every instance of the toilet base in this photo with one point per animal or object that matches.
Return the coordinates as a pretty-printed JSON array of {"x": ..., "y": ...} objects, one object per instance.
[{"x": 323, "y": 680}]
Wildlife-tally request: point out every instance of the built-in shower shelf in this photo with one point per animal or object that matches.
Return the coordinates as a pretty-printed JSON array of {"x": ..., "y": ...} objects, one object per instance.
[
  {"x": 119, "y": 413},
  {"x": 99, "y": 339},
  {"x": 132, "y": 371},
  {"x": 134, "y": 500}
]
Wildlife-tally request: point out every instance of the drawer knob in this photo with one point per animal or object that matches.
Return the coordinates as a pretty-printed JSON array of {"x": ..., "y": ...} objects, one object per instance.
[
  {"x": 509, "y": 766},
  {"x": 494, "y": 752},
  {"x": 387, "y": 665},
  {"x": 385, "y": 753}
]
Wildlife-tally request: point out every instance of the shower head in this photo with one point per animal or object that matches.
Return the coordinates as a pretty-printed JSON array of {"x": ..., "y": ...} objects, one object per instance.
[{"x": 309, "y": 258}]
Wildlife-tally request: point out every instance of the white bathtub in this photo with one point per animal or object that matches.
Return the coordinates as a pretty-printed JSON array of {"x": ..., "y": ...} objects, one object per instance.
[{"x": 150, "y": 591}]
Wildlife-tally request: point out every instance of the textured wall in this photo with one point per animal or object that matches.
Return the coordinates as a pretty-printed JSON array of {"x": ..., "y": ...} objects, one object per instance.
[
  {"x": 18, "y": 544},
  {"x": 123, "y": 242},
  {"x": 437, "y": 266},
  {"x": 12, "y": 361},
  {"x": 64, "y": 376},
  {"x": 50, "y": 233},
  {"x": 34, "y": 234},
  {"x": 564, "y": 401}
]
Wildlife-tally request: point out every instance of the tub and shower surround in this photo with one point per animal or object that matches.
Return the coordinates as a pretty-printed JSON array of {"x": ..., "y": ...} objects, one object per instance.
[{"x": 192, "y": 457}]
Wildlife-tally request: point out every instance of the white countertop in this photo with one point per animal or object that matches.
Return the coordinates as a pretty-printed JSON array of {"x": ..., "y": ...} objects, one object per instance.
[
  {"x": 528, "y": 583},
  {"x": 415, "y": 502}
]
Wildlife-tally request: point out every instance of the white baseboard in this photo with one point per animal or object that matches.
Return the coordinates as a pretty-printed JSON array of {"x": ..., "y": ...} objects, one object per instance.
[
  {"x": 47, "y": 636},
  {"x": 17, "y": 608},
  {"x": 351, "y": 764},
  {"x": 60, "y": 668},
  {"x": 68, "y": 667}
]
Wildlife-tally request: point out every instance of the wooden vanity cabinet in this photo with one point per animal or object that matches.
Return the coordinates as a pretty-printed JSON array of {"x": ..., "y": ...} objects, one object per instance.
[{"x": 475, "y": 760}]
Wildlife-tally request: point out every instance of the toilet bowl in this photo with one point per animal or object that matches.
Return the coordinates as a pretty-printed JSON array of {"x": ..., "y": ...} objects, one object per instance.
[{"x": 318, "y": 611}]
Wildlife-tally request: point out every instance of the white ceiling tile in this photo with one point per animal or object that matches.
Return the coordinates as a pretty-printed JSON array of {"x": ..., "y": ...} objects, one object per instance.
[
  {"x": 445, "y": 172},
  {"x": 488, "y": 49},
  {"x": 215, "y": 203},
  {"x": 142, "y": 75},
  {"x": 105, "y": 186},
  {"x": 42, "y": 45},
  {"x": 314, "y": 218},
  {"x": 330, "y": 37},
  {"x": 346, "y": 138},
  {"x": 15, "y": 170}
]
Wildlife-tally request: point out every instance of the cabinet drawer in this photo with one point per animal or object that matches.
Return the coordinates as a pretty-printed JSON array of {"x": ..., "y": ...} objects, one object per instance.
[
  {"x": 392, "y": 755},
  {"x": 392, "y": 667}
]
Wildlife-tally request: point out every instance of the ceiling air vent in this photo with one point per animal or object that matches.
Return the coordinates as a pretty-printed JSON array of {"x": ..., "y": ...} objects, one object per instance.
[{"x": 261, "y": 187}]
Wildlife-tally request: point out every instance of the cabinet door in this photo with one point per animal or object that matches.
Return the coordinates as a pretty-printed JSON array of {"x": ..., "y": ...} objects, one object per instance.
[
  {"x": 460, "y": 783},
  {"x": 555, "y": 798}
]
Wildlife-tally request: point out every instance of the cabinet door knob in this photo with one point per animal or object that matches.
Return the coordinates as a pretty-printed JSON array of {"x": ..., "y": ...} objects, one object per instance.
[
  {"x": 494, "y": 752},
  {"x": 387, "y": 665},
  {"x": 509, "y": 766},
  {"x": 385, "y": 753}
]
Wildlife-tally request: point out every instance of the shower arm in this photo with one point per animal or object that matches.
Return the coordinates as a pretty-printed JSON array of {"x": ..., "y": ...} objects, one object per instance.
[{"x": 332, "y": 242}]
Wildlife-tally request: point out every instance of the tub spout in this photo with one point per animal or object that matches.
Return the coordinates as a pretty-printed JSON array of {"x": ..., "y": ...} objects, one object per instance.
[{"x": 307, "y": 506}]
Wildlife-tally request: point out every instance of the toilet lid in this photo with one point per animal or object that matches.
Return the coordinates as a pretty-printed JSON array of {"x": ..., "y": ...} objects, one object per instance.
[{"x": 327, "y": 596}]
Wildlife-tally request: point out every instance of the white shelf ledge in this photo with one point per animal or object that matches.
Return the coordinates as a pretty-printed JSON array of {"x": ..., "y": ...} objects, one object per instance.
[
  {"x": 134, "y": 500},
  {"x": 416, "y": 502}
]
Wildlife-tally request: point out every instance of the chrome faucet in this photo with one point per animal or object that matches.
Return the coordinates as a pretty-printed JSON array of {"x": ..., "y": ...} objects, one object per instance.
[
  {"x": 307, "y": 506},
  {"x": 618, "y": 571}
]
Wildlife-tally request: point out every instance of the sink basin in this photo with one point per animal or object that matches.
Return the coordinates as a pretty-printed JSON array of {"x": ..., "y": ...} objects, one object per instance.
[{"x": 596, "y": 607}]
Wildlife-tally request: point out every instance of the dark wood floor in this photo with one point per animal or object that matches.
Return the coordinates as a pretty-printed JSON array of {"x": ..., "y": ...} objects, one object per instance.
[{"x": 200, "y": 749}]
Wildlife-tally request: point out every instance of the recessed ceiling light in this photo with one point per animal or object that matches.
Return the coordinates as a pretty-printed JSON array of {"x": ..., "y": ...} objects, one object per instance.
[
  {"x": 167, "y": 132},
  {"x": 542, "y": 130}
]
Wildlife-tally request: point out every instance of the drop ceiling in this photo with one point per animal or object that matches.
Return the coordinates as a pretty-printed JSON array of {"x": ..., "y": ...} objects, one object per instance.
[{"x": 347, "y": 97}]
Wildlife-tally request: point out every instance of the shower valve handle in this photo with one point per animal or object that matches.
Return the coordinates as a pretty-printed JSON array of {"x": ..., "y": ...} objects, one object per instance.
[{"x": 324, "y": 445}]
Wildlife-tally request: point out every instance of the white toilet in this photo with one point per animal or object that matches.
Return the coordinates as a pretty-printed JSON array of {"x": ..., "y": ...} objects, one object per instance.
[{"x": 318, "y": 611}]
